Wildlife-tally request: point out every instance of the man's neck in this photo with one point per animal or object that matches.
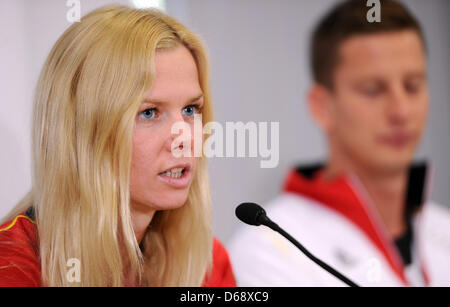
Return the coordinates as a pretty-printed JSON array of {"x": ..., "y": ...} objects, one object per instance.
[{"x": 387, "y": 190}]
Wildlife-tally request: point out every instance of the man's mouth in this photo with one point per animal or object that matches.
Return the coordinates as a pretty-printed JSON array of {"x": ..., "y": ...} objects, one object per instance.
[{"x": 399, "y": 139}]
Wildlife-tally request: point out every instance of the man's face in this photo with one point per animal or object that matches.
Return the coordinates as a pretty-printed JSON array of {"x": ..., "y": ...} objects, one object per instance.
[{"x": 379, "y": 104}]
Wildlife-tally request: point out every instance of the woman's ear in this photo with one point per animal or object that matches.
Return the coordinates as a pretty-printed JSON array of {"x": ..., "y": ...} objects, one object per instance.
[{"x": 319, "y": 101}]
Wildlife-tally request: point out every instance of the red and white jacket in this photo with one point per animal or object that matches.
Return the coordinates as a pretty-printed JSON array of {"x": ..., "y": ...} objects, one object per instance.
[{"x": 336, "y": 221}]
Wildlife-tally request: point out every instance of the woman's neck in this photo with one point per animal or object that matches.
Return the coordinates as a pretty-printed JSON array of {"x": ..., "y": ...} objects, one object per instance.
[{"x": 141, "y": 217}]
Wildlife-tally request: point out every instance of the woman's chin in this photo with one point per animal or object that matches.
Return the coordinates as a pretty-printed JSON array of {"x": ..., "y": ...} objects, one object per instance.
[
  {"x": 171, "y": 203},
  {"x": 165, "y": 200}
]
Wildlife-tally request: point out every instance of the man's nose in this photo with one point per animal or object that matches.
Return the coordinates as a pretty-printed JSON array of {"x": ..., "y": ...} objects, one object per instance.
[{"x": 399, "y": 105}]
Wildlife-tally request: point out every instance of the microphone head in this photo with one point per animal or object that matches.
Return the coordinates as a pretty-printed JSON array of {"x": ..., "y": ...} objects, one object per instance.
[{"x": 250, "y": 213}]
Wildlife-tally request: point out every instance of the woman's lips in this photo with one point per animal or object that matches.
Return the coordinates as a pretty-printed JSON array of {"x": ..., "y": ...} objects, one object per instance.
[
  {"x": 398, "y": 140},
  {"x": 177, "y": 182}
]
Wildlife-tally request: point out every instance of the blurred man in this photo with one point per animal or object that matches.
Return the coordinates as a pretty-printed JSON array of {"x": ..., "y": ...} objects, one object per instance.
[{"x": 364, "y": 210}]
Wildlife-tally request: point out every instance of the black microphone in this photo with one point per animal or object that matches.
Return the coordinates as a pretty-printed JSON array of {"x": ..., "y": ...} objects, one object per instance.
[{"x": 253, "y": 214}]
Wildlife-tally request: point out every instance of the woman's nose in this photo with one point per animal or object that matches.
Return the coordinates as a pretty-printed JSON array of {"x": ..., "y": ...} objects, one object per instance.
[{"x": 179, "y": 137}]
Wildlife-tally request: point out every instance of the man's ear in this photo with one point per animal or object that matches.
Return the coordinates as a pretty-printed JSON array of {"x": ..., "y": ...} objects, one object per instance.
[{"x": 319, "y": 101}]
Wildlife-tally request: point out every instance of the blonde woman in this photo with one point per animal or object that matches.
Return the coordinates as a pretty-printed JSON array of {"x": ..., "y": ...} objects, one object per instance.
[{"x": 109, "y": 197}]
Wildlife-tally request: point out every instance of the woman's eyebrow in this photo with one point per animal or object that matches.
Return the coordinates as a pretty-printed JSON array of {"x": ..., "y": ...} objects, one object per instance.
[
  {"x": 198, "y": 97},
  {"x": 160, "y": 102}
]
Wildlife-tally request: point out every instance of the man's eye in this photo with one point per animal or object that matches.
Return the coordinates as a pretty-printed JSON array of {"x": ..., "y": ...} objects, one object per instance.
[
  {"x": 190, "y": 110},
  {"x": 412, "y": 87},
  {"x": 371, "y": 91},
  {"x": 148, "y": 113}
]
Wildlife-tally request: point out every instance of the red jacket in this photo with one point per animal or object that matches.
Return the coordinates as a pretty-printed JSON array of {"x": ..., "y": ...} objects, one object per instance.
[{"x": 20, "y": 266}]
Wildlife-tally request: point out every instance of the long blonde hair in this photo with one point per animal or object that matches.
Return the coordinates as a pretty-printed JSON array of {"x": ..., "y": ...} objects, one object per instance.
[{"x": 86, "y": 101}]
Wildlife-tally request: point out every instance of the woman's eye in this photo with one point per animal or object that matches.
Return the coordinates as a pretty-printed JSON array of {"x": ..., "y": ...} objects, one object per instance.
[
  {"x": 148, "y": 113},
  {"x": 190, "y": 110}
]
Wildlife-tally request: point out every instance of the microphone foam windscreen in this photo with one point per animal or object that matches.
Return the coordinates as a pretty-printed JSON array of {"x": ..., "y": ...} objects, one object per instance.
[{"x": 249, "y": 213}]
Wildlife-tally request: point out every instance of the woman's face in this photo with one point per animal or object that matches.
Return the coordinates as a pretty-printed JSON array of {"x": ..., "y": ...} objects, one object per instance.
[{"x": 159, "y": 180}]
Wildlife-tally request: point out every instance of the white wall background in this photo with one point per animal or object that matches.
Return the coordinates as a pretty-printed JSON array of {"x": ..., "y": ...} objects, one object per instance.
[{"x": 258, "y": 51}]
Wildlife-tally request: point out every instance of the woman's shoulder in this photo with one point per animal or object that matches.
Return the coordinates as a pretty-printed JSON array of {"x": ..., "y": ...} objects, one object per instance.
[
  {"x": 20, "y": 228},
  {"x": 19, "y": 264},
  {"x": 221, "y": 274}
]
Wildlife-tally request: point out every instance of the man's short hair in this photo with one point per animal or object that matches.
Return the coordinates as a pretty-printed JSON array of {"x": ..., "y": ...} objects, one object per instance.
[{"x": 347, "y": 19}]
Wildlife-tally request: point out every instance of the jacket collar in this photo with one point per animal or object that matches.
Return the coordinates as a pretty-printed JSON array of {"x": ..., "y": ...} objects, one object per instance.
[
  {"x": 31, "y": 213},
  {"x": 347, "y": 196}
]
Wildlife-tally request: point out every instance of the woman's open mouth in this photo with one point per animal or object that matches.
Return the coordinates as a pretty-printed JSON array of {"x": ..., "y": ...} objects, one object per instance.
[
  {"x": 177, "y": 176},
  {"x": 174, "y": 173}
]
